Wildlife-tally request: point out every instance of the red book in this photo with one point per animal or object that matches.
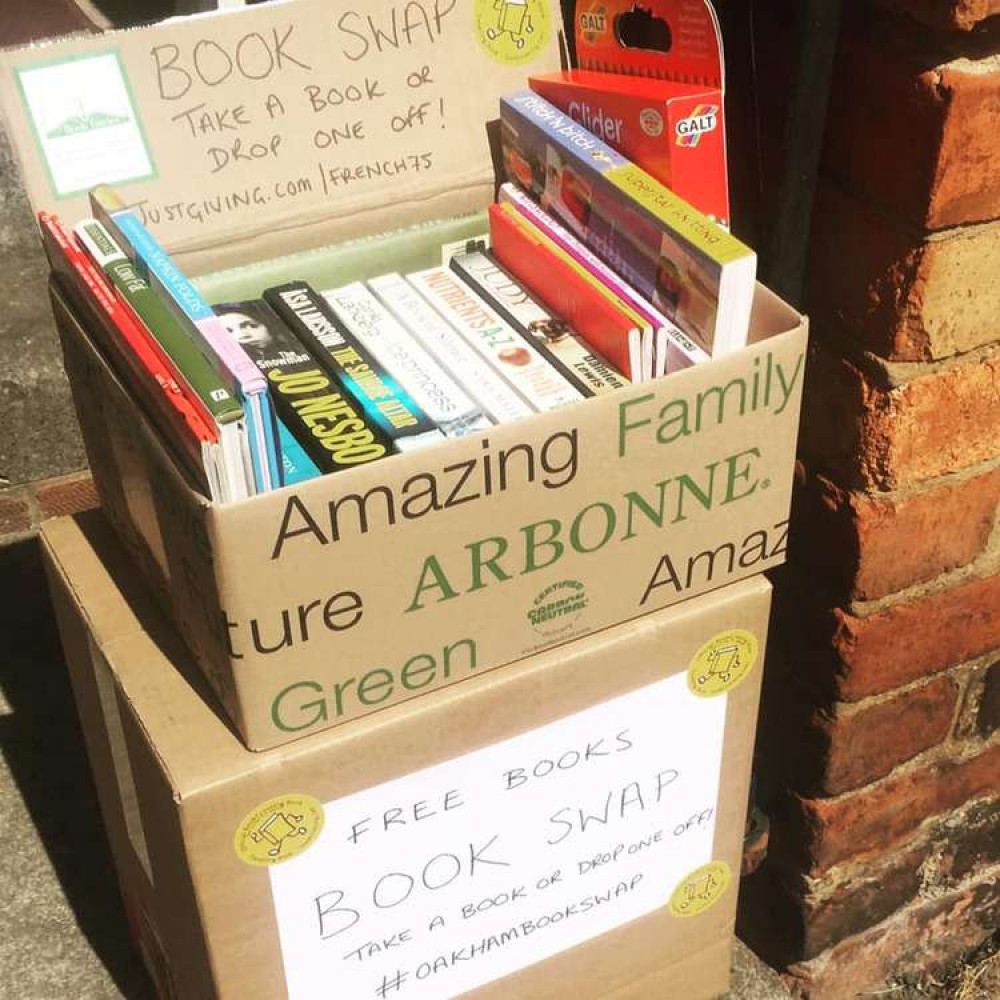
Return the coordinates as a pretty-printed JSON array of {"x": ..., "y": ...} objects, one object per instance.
[
  {"x": 568, "y": 289},
  {"x": 133, "y": 356}
]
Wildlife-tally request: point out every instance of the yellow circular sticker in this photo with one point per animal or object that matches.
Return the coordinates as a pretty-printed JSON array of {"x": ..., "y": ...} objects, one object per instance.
[
  {"x": 279, "y": 829},
  {"x": 701, "y": 890},
  {"x": 513, "y": 31},
  {"x": 722, "y": 662}
]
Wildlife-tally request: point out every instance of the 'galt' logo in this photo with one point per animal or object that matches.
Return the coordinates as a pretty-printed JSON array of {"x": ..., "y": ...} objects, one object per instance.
[{"x": 704, "y": 118}]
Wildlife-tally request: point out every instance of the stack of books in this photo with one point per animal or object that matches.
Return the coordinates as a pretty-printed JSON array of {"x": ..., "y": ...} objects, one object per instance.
[{"x": 593, "y": 276}]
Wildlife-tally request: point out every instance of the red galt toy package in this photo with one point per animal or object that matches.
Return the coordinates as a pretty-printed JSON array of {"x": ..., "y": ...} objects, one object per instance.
[{"x": 650, "y": 83}]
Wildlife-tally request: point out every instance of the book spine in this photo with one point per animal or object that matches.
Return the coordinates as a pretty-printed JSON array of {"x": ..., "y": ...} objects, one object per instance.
[
  {"x": 156, "y": 265},
  {"x": 526, "y": 110},
  {"x": 297, "y": 466},
  {"x": 153, "y": 313},
  {"x": 541, "y": 385},
  {"x": 332, "y": 430},
  {"x": 446, "y": 403},
  {"x": 591, "y": 374},
  {"x": 493, "y": 394},
  {"x": 385, "y": 403},
  {"x": 683, "y": 349},
  {"x": 567, "y": 289},
  {"x": 134, "y": 360}
]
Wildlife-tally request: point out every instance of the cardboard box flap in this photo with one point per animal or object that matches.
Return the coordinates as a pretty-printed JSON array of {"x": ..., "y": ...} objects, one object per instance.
[{"x": 281, "y": 124}]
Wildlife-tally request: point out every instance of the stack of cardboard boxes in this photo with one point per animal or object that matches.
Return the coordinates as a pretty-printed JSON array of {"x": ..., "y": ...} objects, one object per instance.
[{"x": 472, "y": 721}]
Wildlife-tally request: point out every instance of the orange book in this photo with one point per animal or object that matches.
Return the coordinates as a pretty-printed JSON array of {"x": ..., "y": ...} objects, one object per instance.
[{"x": 566, "y": 288}]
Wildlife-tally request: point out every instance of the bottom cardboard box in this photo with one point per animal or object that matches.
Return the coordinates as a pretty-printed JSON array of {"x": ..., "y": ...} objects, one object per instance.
[{"x": 569, "y": 825}]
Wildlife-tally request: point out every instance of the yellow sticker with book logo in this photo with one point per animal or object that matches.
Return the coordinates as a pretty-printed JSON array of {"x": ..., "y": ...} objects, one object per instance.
[
  {"x": 723, "y": 662},
  {"x": 700, "y": 890},
  {"x": 513, "y": 31},
  {"x": 279, "y": 829}
]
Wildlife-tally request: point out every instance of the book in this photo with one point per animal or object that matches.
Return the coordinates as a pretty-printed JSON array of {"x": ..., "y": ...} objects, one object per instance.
[
  {"x": 497, "y": 399},
  {"x": 228, "y": 358},
  {"x": 330, "y": 428},
  {"x": 613, "y": 329},
  {"x": 185, "y": 431},
  {"x": 187, "y": 362},
  {"x": 553, "y": 336},
  {"x": 440, "y": 397},
  {"x": 690, "y": 268},
  {"x": 297, "y": 466},
  {"x": 383, "y": 401},
  {"x": 673, "y": 349},
  {"x": 539, "y": 383}
]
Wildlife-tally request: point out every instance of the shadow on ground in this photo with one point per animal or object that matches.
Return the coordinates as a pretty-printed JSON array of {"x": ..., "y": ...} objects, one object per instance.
[{"x": 61, "y": 883}]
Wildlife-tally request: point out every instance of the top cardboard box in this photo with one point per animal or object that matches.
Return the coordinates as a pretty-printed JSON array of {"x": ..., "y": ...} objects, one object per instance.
[{"x": 323, "y": 602}]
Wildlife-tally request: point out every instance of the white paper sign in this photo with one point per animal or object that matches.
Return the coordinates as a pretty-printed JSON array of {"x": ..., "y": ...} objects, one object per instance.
[
  {"x": 85, "y": 122},
  {"x": 433, "y": 884}
]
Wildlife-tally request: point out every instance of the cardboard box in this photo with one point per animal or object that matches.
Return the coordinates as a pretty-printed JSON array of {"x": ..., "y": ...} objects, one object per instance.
[
  {"x": 323, "y": 602},
  {"x": 570, "y": 825}
]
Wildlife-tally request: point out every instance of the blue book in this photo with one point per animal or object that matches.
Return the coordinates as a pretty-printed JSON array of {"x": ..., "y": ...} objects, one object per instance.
[
  {"x": 222, "y": 350},
  {"x": 298, "y": 467}
]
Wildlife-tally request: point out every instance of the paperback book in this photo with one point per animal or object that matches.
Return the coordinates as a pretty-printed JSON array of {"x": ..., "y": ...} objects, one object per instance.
[
  {"x": 378, "y": 397},
  {"x": 689, "y": 267},
  {"x": 231, "y": 362},
  {"x": 440, "y": 397},
  {"x": 673, "y": 349},
  {"x": 329, "y": 427},
  {"x": 187, "y": 362},
  {"x": 540, "y": 384},
  {"x": 139, "y": 365},
  {"x": 552, "y": 335}
]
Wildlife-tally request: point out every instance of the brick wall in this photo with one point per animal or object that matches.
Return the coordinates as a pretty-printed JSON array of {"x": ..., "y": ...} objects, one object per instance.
[
  {"x": 23, "y": 508},
  {"x": 880, "y": 734}
]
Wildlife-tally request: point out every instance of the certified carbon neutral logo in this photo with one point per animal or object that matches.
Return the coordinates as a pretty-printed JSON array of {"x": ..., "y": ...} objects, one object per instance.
[{"x": 558, "y": 607}]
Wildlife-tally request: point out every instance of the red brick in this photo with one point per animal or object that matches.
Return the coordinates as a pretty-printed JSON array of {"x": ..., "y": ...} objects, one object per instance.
[
  {"x": 913, "y": 127},
  {"x": 862, "y": 746},
  {"x": 789, "y": 920},
  {"x": 904, "y": 295},
  {"x": 988, "y": 719},
  {"x": 868, "y": 546},
  {"x": 945, "y": 14},
  {"x": 868, "y": 435},
  {"x": 926, "y": 937},
  {"x": 826, "y": 832},
  {"x": 15, "y": 513},
  {"x": 70, "y": 495},
  {"x": 916, "y": 638}
]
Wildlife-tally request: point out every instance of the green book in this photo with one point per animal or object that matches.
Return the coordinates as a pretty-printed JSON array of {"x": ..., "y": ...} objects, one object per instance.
[
  {"x": 158, "y": 318},
  {"x": 191, "y": 368}
]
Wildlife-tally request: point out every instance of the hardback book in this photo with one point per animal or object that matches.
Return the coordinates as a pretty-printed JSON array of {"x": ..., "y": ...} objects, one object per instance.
[
  {"x": 385, "y": 404},
  {"x": 185, "y": 430},
  {"x": 690, "y": 268},
  {"x": 189, "y": 365},
  {"x": 330, "y": 427},
  {"x": 539, "y": 383},
  {"x": 227, "y": 356}
]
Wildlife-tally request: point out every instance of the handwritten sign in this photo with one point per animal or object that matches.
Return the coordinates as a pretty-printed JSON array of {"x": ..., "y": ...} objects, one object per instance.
[
  {"x": 278, "y": 115},
  {"x": 436, "y": 883}
]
